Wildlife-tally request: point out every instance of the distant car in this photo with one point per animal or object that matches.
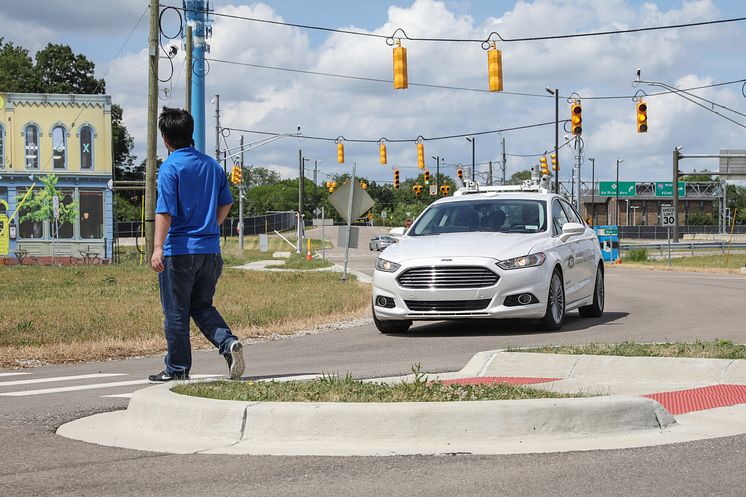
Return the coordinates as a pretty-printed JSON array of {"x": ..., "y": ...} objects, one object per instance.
[
  {"x": 491, "y": 254},
  {"x": 381, "y": 242}
]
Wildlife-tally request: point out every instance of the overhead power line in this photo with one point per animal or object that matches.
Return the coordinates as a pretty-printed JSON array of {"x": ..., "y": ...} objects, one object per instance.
[{"x": 493, "y": 36}]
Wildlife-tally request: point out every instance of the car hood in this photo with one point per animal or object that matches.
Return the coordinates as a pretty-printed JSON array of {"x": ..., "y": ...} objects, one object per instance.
[{"x": 478, "y": 244}]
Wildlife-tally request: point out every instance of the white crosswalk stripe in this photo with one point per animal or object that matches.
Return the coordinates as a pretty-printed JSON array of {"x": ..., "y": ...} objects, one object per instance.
[
  {"x": 59, "y": 378},
  {"x": 12, "y": 374}
]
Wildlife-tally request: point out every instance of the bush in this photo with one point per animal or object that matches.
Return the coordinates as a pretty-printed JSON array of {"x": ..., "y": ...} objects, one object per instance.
[{"x": 638, "y": 255}]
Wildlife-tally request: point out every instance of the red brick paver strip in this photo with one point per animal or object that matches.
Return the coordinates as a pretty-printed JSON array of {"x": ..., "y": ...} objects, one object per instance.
[{"x": 700, "y": 399}]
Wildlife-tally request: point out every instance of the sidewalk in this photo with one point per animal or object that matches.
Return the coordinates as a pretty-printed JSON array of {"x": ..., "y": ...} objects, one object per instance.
[{"x": 626, "y": 402}]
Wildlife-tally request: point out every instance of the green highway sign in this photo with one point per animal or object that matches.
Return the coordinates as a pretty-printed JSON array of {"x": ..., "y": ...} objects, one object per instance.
[
  {"x": 665, "y": 188},
  {"x": 626, "y": 188}
]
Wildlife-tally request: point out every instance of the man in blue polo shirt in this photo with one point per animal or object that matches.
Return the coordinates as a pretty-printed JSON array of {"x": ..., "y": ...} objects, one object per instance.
[{"x": 193, "y": 201}]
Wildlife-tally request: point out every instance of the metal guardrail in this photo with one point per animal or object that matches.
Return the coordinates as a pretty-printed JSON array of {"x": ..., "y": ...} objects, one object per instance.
[{"x": 680, "y": 246}]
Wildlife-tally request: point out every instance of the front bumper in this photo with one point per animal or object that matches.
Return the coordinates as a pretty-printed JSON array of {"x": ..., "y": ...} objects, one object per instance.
[{"x": 479, "y": 303}]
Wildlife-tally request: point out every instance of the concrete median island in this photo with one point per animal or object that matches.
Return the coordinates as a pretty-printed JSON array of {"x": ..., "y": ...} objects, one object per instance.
[{"x": 626, "y": 411}]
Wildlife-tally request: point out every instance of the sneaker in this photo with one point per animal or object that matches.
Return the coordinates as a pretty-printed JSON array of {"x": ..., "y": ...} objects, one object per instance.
[
  {"x": 236, "y": 364},
  {"x": 164, "y": 377}
]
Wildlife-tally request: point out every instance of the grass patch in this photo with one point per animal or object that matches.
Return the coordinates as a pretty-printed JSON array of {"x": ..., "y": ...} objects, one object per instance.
[
  {"x": 718, "y": 261},
  {"x": 297, "y": 261},
  {"x": 637, "y": 255},
  {"x": 337, "y": 389},
  {"x": 717, "y": 349},
  {"x": 82, "y": 313}
]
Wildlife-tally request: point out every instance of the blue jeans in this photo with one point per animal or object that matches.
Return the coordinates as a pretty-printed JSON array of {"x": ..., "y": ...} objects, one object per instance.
[{"x": 187, "y": 287}]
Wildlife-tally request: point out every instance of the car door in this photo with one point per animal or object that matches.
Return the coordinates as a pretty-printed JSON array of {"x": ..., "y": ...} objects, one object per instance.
[
  {"x": 585, "y": 258},
  {"x": 566, "y": 252}
]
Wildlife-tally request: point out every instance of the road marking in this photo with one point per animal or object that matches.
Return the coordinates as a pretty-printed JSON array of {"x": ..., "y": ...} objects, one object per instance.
[
  {"x": 59, "y": 378},
  {"x": 118, "y": 395},
  {"x": 12, "y": 374},
  {"x": 93, "y": 386}
]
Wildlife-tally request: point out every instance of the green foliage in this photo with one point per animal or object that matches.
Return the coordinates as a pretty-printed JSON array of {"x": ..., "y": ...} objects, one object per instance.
[
  {"x": 716, "y": 349},
  {"x": 122, "y": 145},
  {"x": 703, "y": 176},
  {"x": 637, "y": 255},
  {"x": 702, "y": 218},
  {"x": 519, "y": 177},
  {"x": 17, "y": 72},
  {"x": 61, "y": 71},
  {"x": 38, "y": 206}
]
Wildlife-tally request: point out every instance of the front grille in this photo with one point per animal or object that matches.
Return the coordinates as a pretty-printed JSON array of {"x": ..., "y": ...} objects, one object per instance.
[
  {"x": 447, "y": 277},
  {"x": 447, "y": 305}
]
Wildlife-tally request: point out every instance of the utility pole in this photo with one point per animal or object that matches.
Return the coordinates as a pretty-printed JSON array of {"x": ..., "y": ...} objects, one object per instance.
[
  {"x": 556, "y": 134},
  {"x": 616, "y": 202},
  {"x": 504, "y": 164},
  {"x": 300, "y": 202},
  {"x": 240, "y": 203},
  {"x": 152, "y": 136},
  {"x": 675, "y": 193},
  {"x": 473, "y": 141},
  {"x": 490, "y": 173},
  {"x": 188, "y": 63},
  {"x": 437, "y": 172},
  {"x": 217, "y": 131},
  {"x": 593, "y": 190},
  {"x": 315, "y": 172},
  {"x": 579, "y": 148}
]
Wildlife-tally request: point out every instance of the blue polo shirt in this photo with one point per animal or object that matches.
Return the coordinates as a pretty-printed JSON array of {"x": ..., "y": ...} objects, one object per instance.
[{"x": 191, "y": 187}]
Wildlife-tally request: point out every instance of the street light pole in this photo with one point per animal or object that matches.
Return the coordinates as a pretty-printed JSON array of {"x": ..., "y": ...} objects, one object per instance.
[
  {"x": 473, "y": 162},
  {"x": 556, "y": 134},
  {"x": 437, "y": 172},
  {"x": 616, "y": 202},
  {"x": 593, "y": 190},
  {"x": 675, "y": 193}
]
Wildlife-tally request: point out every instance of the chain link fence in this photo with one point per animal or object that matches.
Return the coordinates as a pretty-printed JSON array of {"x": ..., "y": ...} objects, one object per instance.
[
  {"x": 661, "y": 232},
  {"x": 253, "y": 225}
]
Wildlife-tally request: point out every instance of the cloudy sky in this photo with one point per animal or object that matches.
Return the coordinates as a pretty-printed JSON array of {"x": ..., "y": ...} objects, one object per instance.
[{"x": 278, "y": 101}]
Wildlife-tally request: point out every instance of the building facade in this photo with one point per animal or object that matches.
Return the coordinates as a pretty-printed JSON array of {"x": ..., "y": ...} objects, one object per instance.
[{"x": 69, "y": 136}]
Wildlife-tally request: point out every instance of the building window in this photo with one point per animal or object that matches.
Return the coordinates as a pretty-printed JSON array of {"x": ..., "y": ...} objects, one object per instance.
[
  {"x": 66, "y": 228},
  {"x": 31, "y": 136},
  {"x": 91, "y": 214},
  {"x": 29, "y": 229},
  {"x": 59, "y": 147},
  {"x": 86, "y": 147},
  {"x": 2, "y": 147}
]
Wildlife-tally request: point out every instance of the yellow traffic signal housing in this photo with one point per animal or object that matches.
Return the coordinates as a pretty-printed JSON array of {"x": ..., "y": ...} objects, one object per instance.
[
  {"x": 417, "y": 189},
  {"x": 400, "y": 66},
  {"x": 460, "y": 173},
  {"x": 495, "y": 68},
  {"x": 576, "y": 118},
  {"x": 421, "y": 155},
  {"x": 364, "y": 185},
  {"x": 236, "y": 175},
  {"x": 427, "y": 177},
  {"x": 340, "y": 152},
  {"x": 382, "y": 153},
  {"x": 396, "y": 179},
  {"x": 555, "y": 163},
  {"x": 448, "y": 189},
  {"x": 642, "y": 117},
  {"x": 543, "y": 165}
]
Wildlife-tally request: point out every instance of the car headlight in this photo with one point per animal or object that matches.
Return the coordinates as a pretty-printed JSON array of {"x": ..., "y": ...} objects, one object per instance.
[
  {"x": 532, "y": 260},
  {"x": 386, "y": 266}
]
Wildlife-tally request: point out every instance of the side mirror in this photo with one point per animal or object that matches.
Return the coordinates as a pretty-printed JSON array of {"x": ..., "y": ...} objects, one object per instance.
[
  {"x": 397, "y": 232},
  {"x": 570, "y": 230}
]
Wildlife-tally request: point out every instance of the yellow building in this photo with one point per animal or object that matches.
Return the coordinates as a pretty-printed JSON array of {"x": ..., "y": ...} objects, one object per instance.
[{"x": 69, "y": 136}]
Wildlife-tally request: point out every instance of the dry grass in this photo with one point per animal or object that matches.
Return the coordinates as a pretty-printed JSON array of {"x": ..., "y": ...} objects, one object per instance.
[{"x": 83, "y": 313}]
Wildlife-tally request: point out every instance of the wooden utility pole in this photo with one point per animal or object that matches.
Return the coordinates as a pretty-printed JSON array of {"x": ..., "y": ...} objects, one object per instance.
[
  {"x": 152, "y": 135},
  {"x": 189, "y": 49}
]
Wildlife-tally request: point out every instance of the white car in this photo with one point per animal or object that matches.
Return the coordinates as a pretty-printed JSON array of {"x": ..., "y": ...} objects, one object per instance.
[{"x": 494, "y": 254}]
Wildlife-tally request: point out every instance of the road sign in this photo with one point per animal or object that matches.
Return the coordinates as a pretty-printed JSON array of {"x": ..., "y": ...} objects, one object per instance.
[
  {"x": 735, "y": 167},
  {"x": 361, "y": 201},
  {"x": 665, "y": 189},
  {"x": 384, "y": 215},
  {"x": 433, "y": 190},
  {"x": 626, "y": 188},
  {"x": 316, "y": 211},
  {"x": 667, "y": 216}
]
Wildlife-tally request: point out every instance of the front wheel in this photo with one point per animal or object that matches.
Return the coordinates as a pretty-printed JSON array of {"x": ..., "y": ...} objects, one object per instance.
[
  {"x": 395, "y": 326},
  {"x": 596, "y": 309},
  {"x": 555, "y": 314}
]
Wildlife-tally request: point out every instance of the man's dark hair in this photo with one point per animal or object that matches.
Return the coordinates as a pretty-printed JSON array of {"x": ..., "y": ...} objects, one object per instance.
[{"x": 177, "y": 127}]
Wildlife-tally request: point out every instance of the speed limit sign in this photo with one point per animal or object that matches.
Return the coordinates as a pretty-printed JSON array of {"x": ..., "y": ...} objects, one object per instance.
[{"x": 667, "y": 216}]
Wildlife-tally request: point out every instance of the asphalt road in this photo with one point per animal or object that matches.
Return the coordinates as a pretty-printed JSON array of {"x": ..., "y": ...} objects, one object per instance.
[{"x": 642, "y": 305}]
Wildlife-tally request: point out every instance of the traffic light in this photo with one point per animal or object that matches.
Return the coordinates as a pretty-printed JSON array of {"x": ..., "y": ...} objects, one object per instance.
[
  {"x": 495, "y": 68},
  {"x": 543, "y": 165},
  {"x": 236, "y": 175},
  {"x": 382, "y": 152},
  {"x": 417, "y": 189},
  {"x": 340, "y": 152},
  {"x": 396, "y": 179},
  {"x": 555, "y": 162},
  {"x": 460, "y": 173},
  {"x": 364, "y": 185},
  {"x": 427, "y": 177},
  {"x": 576, "y": 118},
  {"x": 421, "y": 156},
  {"x": 400, "y": 66},
  {"x": 445, "y": 190},
  {"x": 642, "y": 117}
]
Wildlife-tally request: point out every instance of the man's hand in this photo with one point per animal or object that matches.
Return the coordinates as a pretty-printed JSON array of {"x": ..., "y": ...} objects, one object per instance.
[{"x": 156, "y": 262}]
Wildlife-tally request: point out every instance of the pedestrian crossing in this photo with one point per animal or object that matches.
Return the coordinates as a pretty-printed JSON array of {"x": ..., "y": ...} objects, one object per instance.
[{"x": 32, "y": 386}]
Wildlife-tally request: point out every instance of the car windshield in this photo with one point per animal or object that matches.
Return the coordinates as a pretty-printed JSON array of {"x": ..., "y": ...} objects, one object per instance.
[{"x": 493, "y": 215}]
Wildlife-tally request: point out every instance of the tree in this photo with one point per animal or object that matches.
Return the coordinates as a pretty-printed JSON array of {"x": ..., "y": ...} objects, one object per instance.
[
  {"x": 40, "y": 205},
  {"x": 519, "y": 177},
  {"x": 61, "y": 71},
  {"x": 258, "y": 176},
  {"x": 703, "y": 176},
  {"x": 121, "y": 146},
  {"x": 17, "y": 72}
]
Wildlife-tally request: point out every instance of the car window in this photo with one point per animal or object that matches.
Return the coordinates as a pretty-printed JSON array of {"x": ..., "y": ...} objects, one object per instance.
[
  {"x": 572, "y": 215},
  {"x": 493, "y": 215},
  {"x": 559, "y": 218}
]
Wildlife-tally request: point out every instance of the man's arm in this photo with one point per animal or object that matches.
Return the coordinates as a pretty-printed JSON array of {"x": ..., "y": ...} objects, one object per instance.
[
  {"x": 162, "y": 224},
  {"x": 223, "y": 211}
]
